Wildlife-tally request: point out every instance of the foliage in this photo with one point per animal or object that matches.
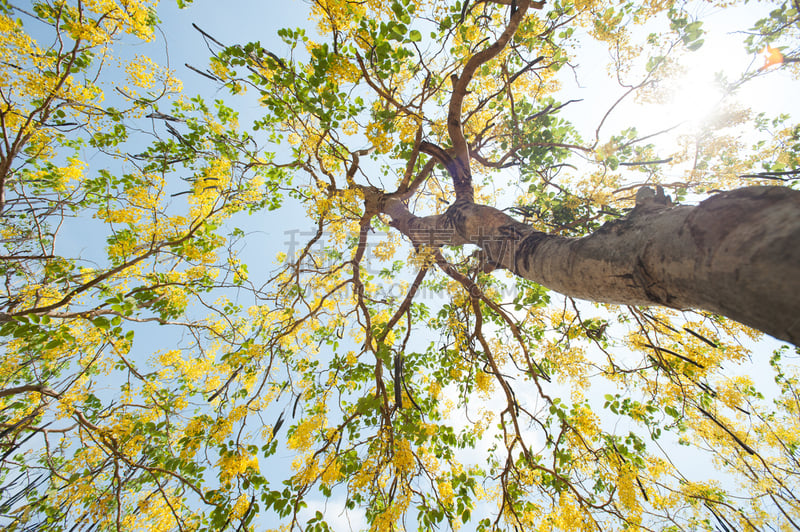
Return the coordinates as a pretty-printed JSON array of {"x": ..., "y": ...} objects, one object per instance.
[{"x": 422, "y": 392}]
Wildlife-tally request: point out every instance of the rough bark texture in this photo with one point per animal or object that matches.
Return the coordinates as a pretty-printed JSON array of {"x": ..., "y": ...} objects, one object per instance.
[{"x": 736, "y": 254}]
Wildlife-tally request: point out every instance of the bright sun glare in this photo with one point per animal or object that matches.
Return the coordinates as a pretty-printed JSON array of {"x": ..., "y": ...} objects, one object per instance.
[{"x": 695, "y": 96}]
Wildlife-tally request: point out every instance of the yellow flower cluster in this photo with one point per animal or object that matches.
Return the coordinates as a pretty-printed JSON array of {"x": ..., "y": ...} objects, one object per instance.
[
  {"x": 133, "y": 16},
  {"x": 403, "y": 457},
  {"x": 344, "y": 15},
  {"x": 142, "y": 72},
  {"x": 77, "y": 393},
  {"x": 585, "y": 421},
  {"x": 350, "y": 127},
  {"x": 445, "y": 492},
  {"x": 386, "y": 248},
  {"x": 151, "y": 513},
  {"x": 307, "y": 468},
  {"x": 341, "y": 70},
  {"x": 240, "y": 507},
  {"x": 201, "y": 372},
  {"x": 566, "y": 516},
  {"x": 387, "y": 520},
  {"x": 407, "y": 128},
  {"x": 626, "y": 486},
  {"x": 304, "y": 434},
  {"x": 379, "y": 137},
  {"x": 236, "y": 464},
  {"x": 333, "y": 471},
  {"x": 484, "y": 382}
]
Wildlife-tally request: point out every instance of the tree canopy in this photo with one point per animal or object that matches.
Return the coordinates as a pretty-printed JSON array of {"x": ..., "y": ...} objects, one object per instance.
[{"x": 483, "y": 319}]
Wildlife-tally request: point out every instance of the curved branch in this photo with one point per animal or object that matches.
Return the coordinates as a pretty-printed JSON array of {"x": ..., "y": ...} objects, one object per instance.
[
  {"x": 40, "y": 388},
  {"x": 440, "y": 155},
  {"x": 462, "y": 177}
]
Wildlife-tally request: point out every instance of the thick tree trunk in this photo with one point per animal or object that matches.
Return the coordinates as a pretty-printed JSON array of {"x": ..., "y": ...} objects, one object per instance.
[{"x": 736, "y": 254}]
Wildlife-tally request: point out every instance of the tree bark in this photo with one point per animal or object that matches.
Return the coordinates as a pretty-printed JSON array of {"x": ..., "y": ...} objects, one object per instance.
[{"x": 736, "y": 254}]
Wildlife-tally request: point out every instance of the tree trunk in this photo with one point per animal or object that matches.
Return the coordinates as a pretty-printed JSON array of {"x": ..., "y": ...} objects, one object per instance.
[{"x": 736, "y": 254}]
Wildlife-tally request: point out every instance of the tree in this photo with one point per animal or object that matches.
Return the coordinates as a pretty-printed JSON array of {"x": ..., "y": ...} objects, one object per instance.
[
  {"x": 74, "y": 451},
  {"x": 400, "y": 125}
]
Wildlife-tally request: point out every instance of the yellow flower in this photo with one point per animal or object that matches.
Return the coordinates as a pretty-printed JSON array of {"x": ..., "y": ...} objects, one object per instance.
[
  {"x": 483, "y": 381},
  {"x": 303, "y": 435},
  {"x": 332, "y": 473},
  {"x": 142, "y": 72},
  {"x": 241, "y": 506},
  {"x": 236, "y": 464},
  {"x": 445, "y": 492},
  {"x": 403, "y": 457}
]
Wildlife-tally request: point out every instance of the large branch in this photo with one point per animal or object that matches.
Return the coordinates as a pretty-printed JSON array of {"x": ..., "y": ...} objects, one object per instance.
[
  {"x": 462, "y": 177},
  {"x": 736, "y": 254}
]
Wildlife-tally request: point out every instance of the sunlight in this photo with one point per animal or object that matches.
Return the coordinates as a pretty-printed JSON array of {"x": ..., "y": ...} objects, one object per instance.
[
  {"x": 688, "y": 95},
  {"x": 694, "y": 97}
]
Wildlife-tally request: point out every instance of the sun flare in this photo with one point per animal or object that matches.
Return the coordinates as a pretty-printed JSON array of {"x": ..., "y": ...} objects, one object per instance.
[{"x": 698, "y": 94}]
